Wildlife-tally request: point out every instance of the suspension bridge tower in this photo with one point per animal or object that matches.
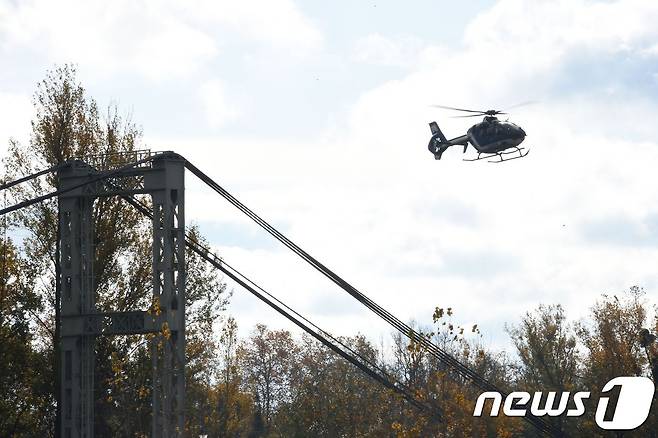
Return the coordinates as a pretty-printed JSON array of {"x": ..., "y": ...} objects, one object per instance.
[{"x": 162, "y": 178}]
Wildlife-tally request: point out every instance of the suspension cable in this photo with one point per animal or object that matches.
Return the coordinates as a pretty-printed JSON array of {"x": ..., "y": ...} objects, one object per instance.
[
  {"x": 209, "y": 256},
  {"x": 54, "y": 168},
  {"x": 444, "y": 357},
  {"x": 335, "y": 344},
  {"x": 328, "y": 341}
]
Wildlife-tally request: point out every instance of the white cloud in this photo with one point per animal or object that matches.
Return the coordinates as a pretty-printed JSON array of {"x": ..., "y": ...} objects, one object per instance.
[
  {"x": 381, "y": 50},
  {"x": 651, "y": 50},
  {"x": 219, "y": 110},
  {"x": 278, "y": 23},
  {"x": 15, "y": 112},
  {"x": 548, "y": 27},
  {"x": 156, "y": 39},
  {"x": 109, "y": 37}
]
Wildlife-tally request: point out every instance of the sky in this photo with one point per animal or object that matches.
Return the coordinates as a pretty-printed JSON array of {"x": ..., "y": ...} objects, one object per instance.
[{"x": 315, "y": 115}]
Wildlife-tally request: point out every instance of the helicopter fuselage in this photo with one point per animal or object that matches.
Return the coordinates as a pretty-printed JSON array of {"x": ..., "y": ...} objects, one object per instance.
[{"x": 492, "y": 136}]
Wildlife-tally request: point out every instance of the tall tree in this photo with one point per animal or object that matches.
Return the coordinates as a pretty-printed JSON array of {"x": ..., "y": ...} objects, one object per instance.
[
  {"x": 548, "y": 355},
  {"x": 68, "y": 123},
  {"x": 611, "y": 337},
  {"x": 267, "y": 359},
  {"x": 25, "y": 375},
  {"x": 614, "y": 348},
  {"x": 330, "y": 397},
  {"x": 451, "y": 395}
]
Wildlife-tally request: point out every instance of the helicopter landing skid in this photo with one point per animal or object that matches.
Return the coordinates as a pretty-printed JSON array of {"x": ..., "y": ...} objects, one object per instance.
[{"x": 518, "y": 151}]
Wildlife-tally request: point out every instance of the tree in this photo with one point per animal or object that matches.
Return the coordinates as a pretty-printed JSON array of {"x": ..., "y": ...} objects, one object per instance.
[
  {"x": 24, "y": 373},
  {"x": 613, "y": 348},
  {"x": 611, "y": 339},
  {"x": 331, "y": 397},
  {"x": 266, "y": 360},
  {"x": 450, "y": 394},
  {"x": 68, "y": 123},
  {"x": 546, "y": 345},
  {"x": 549, "y": 360},
  {"x": 233, "y": 408}
]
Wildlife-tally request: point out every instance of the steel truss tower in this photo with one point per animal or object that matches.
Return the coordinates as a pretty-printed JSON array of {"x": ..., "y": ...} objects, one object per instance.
[{"x": 162, "y": 179}]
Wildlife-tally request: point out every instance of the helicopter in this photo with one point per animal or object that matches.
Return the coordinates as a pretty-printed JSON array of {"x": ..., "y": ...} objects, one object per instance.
[{"x": 491, "y": 137}]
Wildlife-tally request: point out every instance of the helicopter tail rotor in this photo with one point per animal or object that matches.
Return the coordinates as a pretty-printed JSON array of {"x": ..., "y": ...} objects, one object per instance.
[
  {"x": 439, "y": 150},
  {"x": 438, "y": 143}
]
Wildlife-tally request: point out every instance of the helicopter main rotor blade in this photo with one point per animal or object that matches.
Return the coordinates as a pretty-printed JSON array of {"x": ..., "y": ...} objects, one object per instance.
[
  {"x": 456, "y": 109},
  {"x": 488, "y": 113},
  {"x": 470, "y": 115},
  {"x": 527, "y": 102}
]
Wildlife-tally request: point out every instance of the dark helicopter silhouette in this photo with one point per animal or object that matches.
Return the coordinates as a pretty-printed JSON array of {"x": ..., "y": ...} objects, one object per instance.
[{"x": 490, "y": 137}]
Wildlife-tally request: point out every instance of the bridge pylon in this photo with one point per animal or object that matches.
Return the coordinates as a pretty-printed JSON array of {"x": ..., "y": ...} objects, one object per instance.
[{"x": 80, "y": 321}]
